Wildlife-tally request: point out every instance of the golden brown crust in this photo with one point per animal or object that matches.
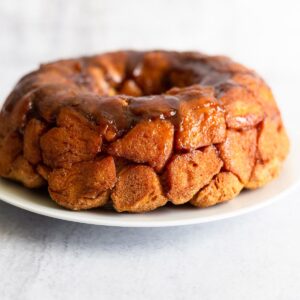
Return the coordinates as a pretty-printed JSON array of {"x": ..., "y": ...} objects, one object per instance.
[
  {"x": 24, "y": 172},
  {"x": 83, "y": 186},
  {"x": 11, "y": 148},
  {"x": 223, "y": 187},
  {"x": 242, "y": 109},
  {"x": 43, "y": 171},
  {"x": 272, "y": 149},
  {"x": 148, "y": 142},
  {"x": 238, "y": 152},
  {"x": 188, "y": 173},
  {"x": 74, "y": 139},
  {"x": 138, "y": 190},
  {"x": 203, "y": 127},
  {"x": 31, "y": 148},
  {"x": 263, "y": 173}
]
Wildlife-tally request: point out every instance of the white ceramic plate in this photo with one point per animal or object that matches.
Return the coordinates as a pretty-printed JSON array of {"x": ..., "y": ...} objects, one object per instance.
[{"x": 247, "y": 201}]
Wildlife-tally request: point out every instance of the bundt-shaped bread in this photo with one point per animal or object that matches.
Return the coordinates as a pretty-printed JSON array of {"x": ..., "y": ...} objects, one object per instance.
[{"x": 140, "y": 129}]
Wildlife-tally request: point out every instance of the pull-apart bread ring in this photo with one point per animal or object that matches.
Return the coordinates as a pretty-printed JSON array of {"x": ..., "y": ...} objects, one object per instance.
[{"x": 136, "y": 130}]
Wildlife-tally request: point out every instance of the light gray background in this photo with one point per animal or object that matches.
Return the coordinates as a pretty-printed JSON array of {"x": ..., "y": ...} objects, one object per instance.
[{"x": 256, "y": 256}]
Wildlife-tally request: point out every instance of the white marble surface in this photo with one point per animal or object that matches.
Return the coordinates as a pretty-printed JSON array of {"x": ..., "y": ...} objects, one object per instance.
[{"x": 255, "y": 256}]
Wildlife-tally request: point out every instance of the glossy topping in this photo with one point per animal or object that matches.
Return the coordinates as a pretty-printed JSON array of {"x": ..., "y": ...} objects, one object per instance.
[{"x": 113, "y": 88}]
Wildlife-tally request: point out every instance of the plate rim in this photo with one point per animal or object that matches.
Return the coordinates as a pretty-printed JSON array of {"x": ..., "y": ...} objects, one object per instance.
[{"x": 147, "y": 224}]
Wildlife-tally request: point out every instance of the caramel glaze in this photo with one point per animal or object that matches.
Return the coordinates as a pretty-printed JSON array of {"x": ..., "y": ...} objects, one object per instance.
[
  {"x": 196, "y": 103},
  {"x": 69, "y": 83}
]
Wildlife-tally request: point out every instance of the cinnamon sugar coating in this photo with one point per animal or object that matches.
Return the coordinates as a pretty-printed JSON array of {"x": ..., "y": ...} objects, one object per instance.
[{"x": 139, "y": 129}]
